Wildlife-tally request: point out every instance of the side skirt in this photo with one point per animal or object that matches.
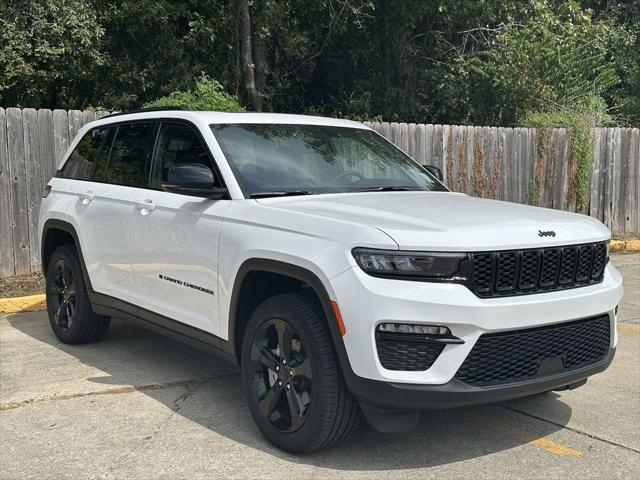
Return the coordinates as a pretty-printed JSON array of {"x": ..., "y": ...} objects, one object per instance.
[{"x": 113, "y": 307}]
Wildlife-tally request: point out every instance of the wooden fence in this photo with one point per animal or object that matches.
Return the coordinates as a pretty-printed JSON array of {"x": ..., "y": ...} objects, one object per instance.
[
  {"x": 517, "y": 165},
  {"x": 503, "y": 163}
]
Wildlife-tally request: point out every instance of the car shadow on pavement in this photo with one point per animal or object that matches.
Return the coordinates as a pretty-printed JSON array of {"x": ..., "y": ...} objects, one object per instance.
[{"x": 213, "y": 398}]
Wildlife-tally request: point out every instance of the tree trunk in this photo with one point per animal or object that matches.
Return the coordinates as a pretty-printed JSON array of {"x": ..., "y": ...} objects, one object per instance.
[
  {"x": 246, "y": 56},
  {"x": 259, "y": 54}
]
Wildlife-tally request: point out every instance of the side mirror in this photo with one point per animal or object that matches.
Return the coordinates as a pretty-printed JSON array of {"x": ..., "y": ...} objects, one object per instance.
[
  {"x": 192, "y": 179},
  {"x": 435, "y": 171}
]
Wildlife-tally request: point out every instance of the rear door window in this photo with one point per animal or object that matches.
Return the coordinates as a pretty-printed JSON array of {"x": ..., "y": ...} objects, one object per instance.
[
  {"x": 87, "y": 160},
  {"x": 131, "y": 154}
]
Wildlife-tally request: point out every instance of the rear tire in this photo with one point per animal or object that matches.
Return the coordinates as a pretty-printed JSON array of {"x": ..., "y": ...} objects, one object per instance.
[
  {"x": 292, "y": 380},
  {"x": 70, "y": 314}
]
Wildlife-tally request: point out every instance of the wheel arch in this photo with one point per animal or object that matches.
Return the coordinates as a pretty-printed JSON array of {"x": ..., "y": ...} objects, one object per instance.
[
  {"x": 57, "y": 232},
  {"x": 239, "y": 311}
]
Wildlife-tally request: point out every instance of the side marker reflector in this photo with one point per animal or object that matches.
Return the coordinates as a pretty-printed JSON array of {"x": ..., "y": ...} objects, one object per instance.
[{"x": 336, "y": 311}]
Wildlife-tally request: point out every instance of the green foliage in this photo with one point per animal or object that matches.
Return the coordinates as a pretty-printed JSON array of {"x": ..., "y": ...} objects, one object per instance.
[
  {"x": 555, "y": 59},
  {"x": 208, "y": 95},
  {"x": 48, "y": 51},
  {"x": 441, "y": 61},
  {"x": 578, "y": 120}
]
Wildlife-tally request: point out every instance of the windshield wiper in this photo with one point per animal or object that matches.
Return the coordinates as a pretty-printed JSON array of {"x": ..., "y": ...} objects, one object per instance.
[
  {"x": 280, "y": 194},
  {"x": 388, "y": 188}
]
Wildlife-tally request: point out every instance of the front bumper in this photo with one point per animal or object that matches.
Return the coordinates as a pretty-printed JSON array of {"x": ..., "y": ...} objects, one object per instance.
[
  {"x": 403, "y": 396},
  {"x": 367, "y": 301}
]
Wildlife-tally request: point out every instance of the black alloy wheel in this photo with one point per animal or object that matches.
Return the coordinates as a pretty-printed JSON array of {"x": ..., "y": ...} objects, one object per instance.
[
  {"x": 61, "y": 295},
  {"x": 281, "y": 375}
]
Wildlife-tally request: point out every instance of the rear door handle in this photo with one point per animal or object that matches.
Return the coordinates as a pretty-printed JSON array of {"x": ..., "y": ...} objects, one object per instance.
[
  {"x": 146, "y": 206},
  {"x": 87, "y": 197}
]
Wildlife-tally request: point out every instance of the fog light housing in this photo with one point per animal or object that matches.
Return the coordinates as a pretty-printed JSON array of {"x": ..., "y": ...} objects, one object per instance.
[
  {"x": 413, "y": 329},
  {"x": 410, "y": 332}
]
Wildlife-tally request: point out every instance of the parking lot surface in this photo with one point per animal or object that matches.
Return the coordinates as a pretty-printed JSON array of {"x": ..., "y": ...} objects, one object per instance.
[{"x": 137, "y": 405}]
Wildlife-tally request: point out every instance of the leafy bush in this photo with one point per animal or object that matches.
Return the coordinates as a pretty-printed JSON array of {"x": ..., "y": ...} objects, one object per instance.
[{"x": 208, "y": 95}]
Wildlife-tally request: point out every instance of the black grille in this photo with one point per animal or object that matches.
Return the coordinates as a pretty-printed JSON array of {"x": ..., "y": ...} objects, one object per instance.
[
  {"x": 397, "y": 352},
  {"x": 519, "y": 272},
  {"x": 507, "y": 357}
]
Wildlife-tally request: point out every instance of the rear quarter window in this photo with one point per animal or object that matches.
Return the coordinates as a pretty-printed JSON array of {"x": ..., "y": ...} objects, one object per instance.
[{"x": 88, "y": 159}]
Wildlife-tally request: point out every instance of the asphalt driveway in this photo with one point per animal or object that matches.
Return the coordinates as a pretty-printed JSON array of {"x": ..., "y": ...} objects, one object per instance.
[{"x": 138, "y": 405}]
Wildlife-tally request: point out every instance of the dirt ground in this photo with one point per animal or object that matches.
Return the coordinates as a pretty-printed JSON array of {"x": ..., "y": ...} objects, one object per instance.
[{"x": 20, "y": 286}]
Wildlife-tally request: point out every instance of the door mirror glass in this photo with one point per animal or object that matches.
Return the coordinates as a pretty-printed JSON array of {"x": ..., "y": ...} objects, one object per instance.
[{"x": 435, "y": 171}]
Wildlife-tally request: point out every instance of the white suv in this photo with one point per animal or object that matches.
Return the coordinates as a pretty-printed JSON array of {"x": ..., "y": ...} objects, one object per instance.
[{"x": 342, "y": 277}]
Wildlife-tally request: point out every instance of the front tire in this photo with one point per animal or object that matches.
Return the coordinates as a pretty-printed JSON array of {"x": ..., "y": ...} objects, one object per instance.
[
  {"x": 70, "y": 314},
  {"x": 292, "y": 380}
]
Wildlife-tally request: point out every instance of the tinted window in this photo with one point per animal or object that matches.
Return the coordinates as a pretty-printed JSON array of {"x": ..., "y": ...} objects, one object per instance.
[
  {"x": 83, "y": 161},
  {"x": 318, "y": 159},
  {"x": 178, "y": 144},
  {"x": 131, "y": 154}
]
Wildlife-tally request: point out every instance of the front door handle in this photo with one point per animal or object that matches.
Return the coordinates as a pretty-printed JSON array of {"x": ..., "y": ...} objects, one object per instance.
[
  {"x": 87, "y": 197},
  {"x": 146, "y": 206}
]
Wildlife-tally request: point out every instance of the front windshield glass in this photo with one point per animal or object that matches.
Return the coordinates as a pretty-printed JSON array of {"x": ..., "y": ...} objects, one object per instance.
[{"x": 281, "y": 158}]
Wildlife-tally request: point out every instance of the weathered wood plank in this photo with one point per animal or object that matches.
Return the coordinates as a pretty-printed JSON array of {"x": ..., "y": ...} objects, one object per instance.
[
  {"x": 603, "y": 173},
  {"x": 626, "y": 188},
  {"x": 467, "y": 161},
  {"x": 438, "y": 153},
  {"x": 420, "y": 141},
  {"x": 60, "y": 134},
  {"x": 75, "y": 120},
  {"x": 7, "y": 260},
  {"x": 609, "y": 193},
  {"x": 47, "y": 144},
  {"x": 499, "y": 159},
  {"x": 33, "y": 182},
  {"x": 453, "y": 153},
  {"x": 632, "y": 200},
  {"x": 411, "y": 141},
  {"x": 88, "y": 116},
  {"x": 507, "y": 165},
  {"x": 428, "y": 146},
  {"x": 19, "y": 206}
]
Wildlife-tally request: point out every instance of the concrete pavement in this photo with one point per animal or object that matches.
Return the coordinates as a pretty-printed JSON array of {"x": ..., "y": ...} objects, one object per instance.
[{"x": 138, "y": 405}]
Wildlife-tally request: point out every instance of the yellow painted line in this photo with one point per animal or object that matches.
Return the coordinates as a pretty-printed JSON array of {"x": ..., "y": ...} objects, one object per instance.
[
  {"x": 625, "y": 327},
  {"x": 527, "y": 437},
  {"x": 616, "y": 245},
  {"x": 555, "y": 448},
  {"x": 30, "y": 303},
  {"x": 624, "y": 245}
]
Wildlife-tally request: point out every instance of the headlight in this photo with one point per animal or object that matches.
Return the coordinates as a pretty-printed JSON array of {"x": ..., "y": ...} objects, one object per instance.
[{"x": 409, "y": 264}]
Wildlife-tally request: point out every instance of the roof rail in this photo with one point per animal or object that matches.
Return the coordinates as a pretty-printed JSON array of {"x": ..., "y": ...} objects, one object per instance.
[{"x": 143, "y": 110}]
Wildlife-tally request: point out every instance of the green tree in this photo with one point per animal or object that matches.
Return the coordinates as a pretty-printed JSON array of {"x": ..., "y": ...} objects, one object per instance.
[
  {"x": 48, "y": 51},
  {"x": 558, "y": 58}
]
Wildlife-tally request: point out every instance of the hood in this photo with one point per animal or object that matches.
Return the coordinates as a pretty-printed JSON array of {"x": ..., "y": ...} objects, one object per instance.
[{"x": 448, "y": 221}]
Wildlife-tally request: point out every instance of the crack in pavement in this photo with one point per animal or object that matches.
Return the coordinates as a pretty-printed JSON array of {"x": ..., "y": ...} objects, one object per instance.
[
  {"x": 115, "y": 390},
  {"x": 190, "y": 388},
  {"x": 574, "y": 430}
]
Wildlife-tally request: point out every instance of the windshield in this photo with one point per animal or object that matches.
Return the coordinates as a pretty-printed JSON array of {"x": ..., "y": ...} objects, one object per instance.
[{"x": 280, "y": 159}]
